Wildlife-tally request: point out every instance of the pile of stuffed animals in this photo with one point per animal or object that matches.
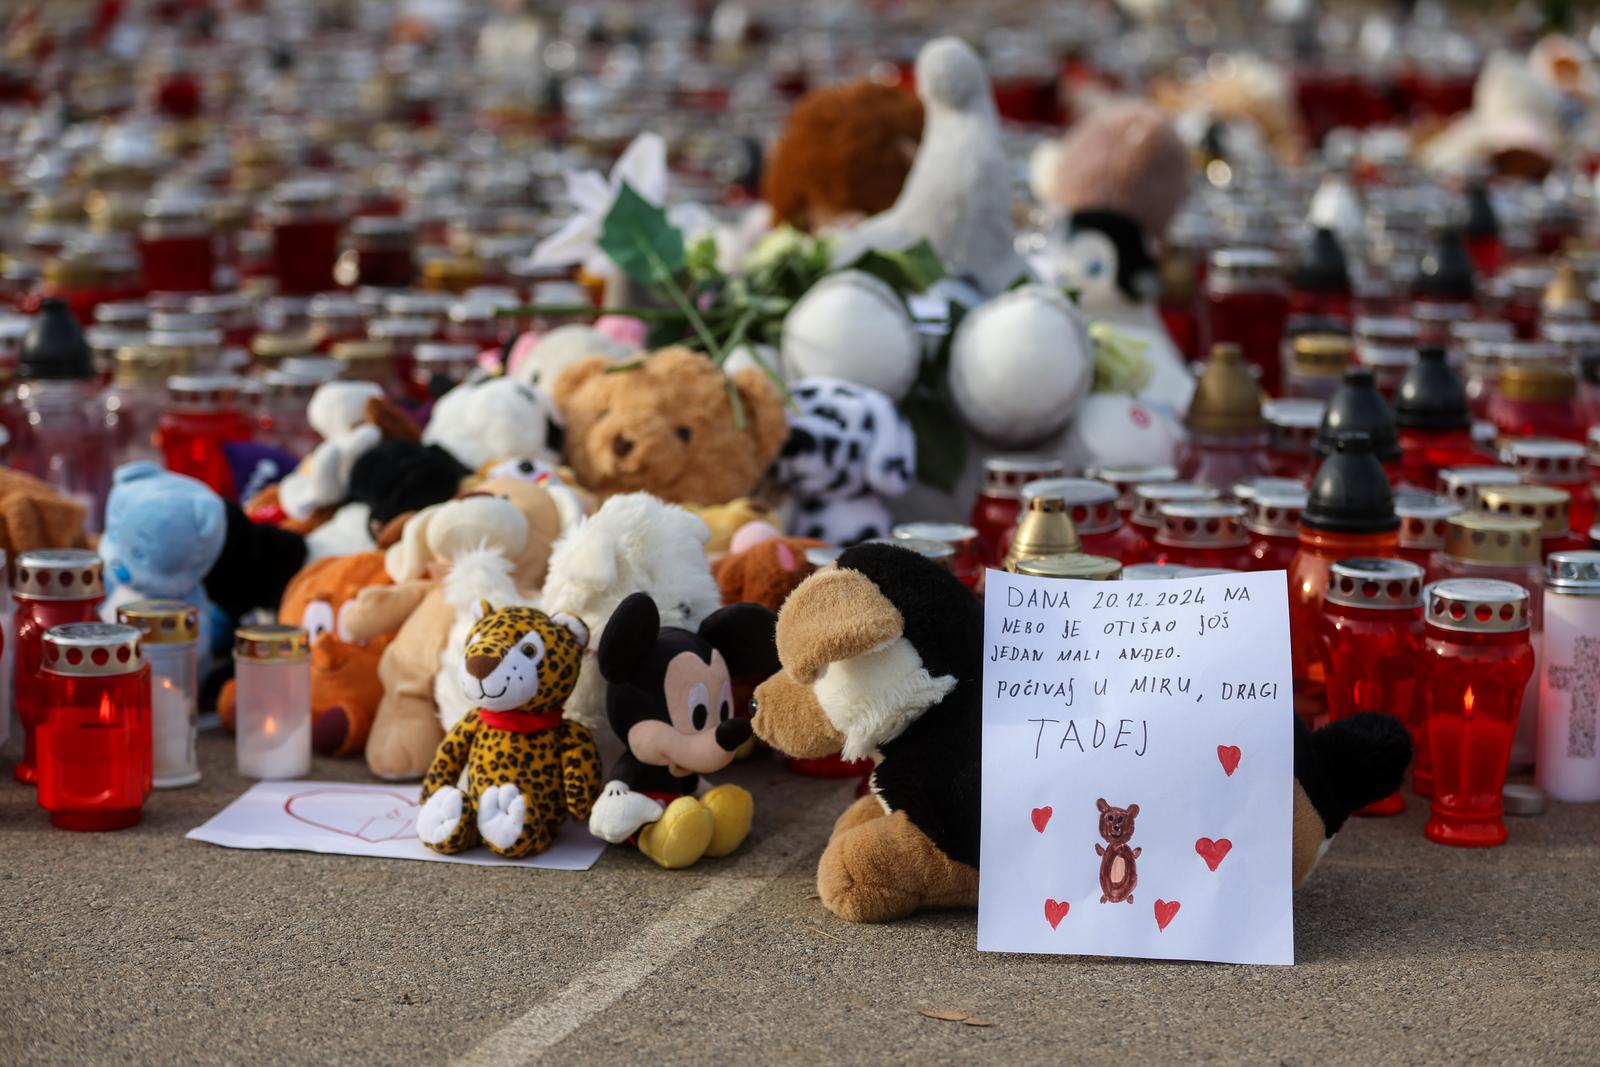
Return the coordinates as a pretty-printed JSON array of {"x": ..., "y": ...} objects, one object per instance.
[{"x": 555, "y": 599}]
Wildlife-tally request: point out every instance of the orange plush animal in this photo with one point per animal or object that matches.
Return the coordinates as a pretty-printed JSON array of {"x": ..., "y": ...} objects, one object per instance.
[{"x": 345, "y": 689}]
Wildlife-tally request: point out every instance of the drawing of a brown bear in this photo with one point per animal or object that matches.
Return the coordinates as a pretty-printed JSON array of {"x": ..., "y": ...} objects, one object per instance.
[{"x": 1118, "y": 875}]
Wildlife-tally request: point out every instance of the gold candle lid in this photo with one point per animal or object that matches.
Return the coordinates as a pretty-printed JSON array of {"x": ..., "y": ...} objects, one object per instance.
[
  {"x": 1321, "y": 355},
  {"x": 272, "y": 348},
  {"x": 162, "y": 622},
  {"x": 1565, "y": 296},
  {"x": 1543, "y": 504},
  {"x": 1537, "y": 382},
  {"x": 137, "y": 364},
  {"x": 1079, "y": 565},
  {"x": 1045, "y": 529},
  {"x": 1226, "y": 399},
  {"x": 1091, "y": 504},
  {"x": 90, "y": 649},
  {"x": 271, "y": 643},
  {"x": 1479, "y": 537}
]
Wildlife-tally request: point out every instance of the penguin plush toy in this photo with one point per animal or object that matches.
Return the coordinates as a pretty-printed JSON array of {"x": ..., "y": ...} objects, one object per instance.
[{"x": 882, "y": 659}]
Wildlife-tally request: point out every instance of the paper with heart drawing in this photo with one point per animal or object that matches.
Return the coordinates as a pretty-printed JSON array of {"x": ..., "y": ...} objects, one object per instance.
[
  {"x": 1138, "y": 768},
  {"x": 352, "y": 819}
]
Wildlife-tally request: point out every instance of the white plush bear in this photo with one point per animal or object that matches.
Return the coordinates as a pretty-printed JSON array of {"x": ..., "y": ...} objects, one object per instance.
[{"x": 494, "y": 419}]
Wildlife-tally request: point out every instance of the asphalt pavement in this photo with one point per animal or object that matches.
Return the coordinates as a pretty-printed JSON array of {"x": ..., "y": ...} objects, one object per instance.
[{"x": 140, "y": 947}]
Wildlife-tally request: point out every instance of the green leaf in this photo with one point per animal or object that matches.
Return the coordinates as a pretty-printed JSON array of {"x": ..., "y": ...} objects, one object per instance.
[
  {"x": 911, "y": 270},
  {"x": 941, "y": 444},
  {"x": 640, "y": 240}
]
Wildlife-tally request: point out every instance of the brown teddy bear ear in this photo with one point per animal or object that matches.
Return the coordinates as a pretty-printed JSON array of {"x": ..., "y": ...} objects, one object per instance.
[
  {"x": 390, "y": 534},
  {"x": 392, "y": 423},
  {"x": 564, "y": 388},
  {"x": 763, "y": 412}
]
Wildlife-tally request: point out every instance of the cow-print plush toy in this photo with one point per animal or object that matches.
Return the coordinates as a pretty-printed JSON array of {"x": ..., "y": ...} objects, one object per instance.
[{"x": 848, "y": 448}]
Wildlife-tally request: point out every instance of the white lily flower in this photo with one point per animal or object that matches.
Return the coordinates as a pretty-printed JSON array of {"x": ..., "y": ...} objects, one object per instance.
[{"x": 643, "y": 165}]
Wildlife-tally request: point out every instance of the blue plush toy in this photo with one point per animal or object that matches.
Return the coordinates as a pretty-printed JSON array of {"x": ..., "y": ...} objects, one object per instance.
[{"x": 163, "y": 534}]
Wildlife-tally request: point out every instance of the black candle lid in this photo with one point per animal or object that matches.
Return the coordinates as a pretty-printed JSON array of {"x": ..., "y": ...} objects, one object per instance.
[
  {"x": 1445, "y": 270},
  {"x": 1357, "y": 407},
  {"x": 55, "y": 347},
  {"x": 1350, "y": 493},
  {"x": 1481, "y": 219},
  {"x": 1431, "y": 396},
  {"x": 1321, "y": 266}
]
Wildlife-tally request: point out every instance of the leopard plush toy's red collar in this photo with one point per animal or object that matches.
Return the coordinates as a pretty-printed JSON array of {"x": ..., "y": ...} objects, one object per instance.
[{"x": 521, "y": 722}]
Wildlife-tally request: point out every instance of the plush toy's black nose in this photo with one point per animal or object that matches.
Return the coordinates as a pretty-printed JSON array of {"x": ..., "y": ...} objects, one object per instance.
[
  {"x": 481, "y": 667},
  {"x": 621, "y": 446},
  {"x": 732, "y": 733}
]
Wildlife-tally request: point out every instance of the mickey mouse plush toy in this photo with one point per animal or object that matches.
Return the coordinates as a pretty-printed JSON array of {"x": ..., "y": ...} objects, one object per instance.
[{"x": 669, "y": 698}]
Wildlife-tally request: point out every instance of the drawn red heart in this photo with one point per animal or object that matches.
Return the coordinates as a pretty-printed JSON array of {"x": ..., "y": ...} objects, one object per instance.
[
  {"x": 1165, "y": 910},
  {"x": 1213, "y": 851},
  {"x": 368, "y": 815},
  {"x": 1055, "y": 911},
  {"x": 1041, "y": 817},
  {"x": 1229, "y": 755}
]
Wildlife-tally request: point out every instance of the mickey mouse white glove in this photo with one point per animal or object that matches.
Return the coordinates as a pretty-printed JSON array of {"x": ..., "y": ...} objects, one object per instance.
[{"x": 620, "y": 812}]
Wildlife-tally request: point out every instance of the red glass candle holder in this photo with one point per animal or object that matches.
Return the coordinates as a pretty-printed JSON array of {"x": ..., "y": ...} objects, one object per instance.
[
  {"x": 965, "y": 561},
  {"x": 1308, "y": 583},
  {"x": 1476, "y": 662},
  {"x": 1291, "y": 435},
  {"x": 203, "y": 418},
  {"x": 1206, "y": 534},
  {"x": 176, "y": 250},
  {"x": 1536, "y": 401},
  {"x": 998, "y": 503},
  {"x": 1559, "y": 464},
  {"x": 1246, "y": 304},
  {"x": 1126, "y": 481},
  {"x": 304, "y": 223},
  {"x": 54, "y": 587},
  {"x": 1092, "y": 507},
  {"x": 1422, "y": 523},
  {"x": 1272, "y": 519},
  {"x": 1148, "y": 502},
  {"x": 381, "y": 253},
  {"x": 94, "y": 742},
  {"x": 1371, "y": 639}
]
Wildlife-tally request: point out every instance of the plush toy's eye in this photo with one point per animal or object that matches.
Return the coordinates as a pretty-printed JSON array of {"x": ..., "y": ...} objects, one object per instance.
[
  {"x": 317, "y": 618},
  {"x": 698, "y": 716},
  {"x": 527, "y": 650},
  {"x": 684, "y": 434}
]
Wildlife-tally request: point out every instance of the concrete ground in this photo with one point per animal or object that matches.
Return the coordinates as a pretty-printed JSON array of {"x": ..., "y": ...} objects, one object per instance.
[{"x": 140, "y": 947}]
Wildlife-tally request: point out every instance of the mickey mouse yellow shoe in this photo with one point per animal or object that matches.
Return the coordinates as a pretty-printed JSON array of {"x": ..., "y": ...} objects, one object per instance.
[
  {"x": 681, "y": 836},
  {"x": 731, "y": 809}
]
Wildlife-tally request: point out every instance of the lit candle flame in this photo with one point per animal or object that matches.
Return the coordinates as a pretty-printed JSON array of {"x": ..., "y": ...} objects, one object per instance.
[
  {"x": 269, "y": 726},
  {"x": 1466, "y": 701},
  {"x": 105, "y": 708}
]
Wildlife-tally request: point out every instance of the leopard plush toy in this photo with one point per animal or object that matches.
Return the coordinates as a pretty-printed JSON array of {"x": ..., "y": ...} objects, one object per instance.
[{"x": 527, "y": 768}]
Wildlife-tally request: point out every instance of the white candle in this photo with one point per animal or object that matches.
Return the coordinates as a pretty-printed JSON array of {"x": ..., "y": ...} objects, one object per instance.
[
  {"x": 272, "y": 719},
  {"x": 1569, "y": 680}
]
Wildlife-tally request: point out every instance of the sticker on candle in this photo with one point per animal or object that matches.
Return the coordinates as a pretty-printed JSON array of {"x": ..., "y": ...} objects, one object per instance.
[
  {"x": 1138, "y": 768},
  {"x": 350, "y": 819}
]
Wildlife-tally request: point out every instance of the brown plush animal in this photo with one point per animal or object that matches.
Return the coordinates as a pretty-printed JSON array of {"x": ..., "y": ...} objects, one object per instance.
[
  {"x": 33, "y": 515},
  {"x": 842, "y": 155},
  {"x": 515, "y": 518},
  {"x": 345, "y": 691},
  {"x": 765, "y": 573},
  {"x": 666, "y": 426}
]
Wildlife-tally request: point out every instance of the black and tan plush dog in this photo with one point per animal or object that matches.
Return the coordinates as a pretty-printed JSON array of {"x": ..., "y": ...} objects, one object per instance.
[{"x": 881, "y": 659}]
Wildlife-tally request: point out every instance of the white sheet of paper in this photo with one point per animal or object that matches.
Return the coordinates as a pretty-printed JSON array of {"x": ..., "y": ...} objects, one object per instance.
[
  {"x": 352, "y": 819},
  {"x": 1171, "y": 695}
]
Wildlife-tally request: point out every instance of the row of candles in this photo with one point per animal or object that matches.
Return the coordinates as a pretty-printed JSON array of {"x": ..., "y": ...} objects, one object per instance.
[{"x": 109, "y": 710}]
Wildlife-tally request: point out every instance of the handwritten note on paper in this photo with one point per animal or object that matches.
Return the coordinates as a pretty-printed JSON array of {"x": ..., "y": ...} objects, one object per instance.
[
  {"x": 352, "y": 819},
  {"x": 1138, "y": 768}
]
